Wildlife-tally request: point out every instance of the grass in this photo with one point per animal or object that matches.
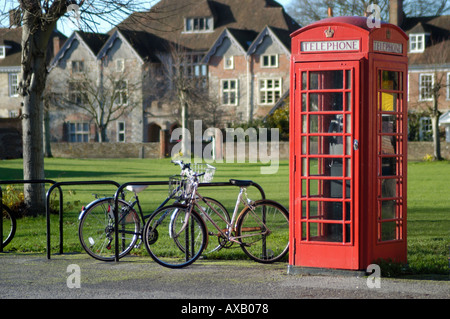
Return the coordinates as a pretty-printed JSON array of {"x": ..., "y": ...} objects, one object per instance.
[{"x": 428, "y": 202}]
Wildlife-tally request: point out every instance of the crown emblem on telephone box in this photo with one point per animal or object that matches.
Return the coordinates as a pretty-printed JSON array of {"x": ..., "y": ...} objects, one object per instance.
[{"x": 329, "y": 32}]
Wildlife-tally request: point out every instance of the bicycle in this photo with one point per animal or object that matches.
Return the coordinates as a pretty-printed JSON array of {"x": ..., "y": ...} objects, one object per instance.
[
  {"x": 9, "y": 225},
  {"x": 176, "y": 235},
  {"x": 96, "y": 229}
]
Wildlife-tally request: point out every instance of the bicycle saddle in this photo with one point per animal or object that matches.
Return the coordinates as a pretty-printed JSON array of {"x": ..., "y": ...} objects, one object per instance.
[
  {"x": 136, "y": 188},
  {"x": 241, "y": 183}
]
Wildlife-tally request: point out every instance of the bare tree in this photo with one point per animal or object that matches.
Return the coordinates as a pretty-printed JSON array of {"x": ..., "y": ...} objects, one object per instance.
[
  {"x": 186, "y": 85},
  {"x": 106, "y": 99},
  {"x": 438, "y": 54},
  {"x": 308, "y": 11},
  {"x": 39, "y": 18}
]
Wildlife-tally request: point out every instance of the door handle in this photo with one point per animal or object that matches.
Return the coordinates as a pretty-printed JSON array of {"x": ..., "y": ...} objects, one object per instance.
[{"x": 355, "y": 144}]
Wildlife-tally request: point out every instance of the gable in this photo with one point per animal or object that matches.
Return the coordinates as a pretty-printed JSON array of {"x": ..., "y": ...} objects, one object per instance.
[
  {"x": 268, "y": 42},
  {"x": 73, "y": 49}
]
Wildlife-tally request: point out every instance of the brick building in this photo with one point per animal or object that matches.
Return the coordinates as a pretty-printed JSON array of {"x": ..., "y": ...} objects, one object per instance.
[{"x": 240, "y": 60}]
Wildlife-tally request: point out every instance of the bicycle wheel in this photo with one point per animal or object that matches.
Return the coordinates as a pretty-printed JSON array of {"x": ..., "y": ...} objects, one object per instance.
[
  {"x": 9, "y": 225},
  {"x": 96, "y": 229},
  {"x": 172, "y": 242},
  {"x": 263, "y": 231},
  {"x": 221, "y": 220}
]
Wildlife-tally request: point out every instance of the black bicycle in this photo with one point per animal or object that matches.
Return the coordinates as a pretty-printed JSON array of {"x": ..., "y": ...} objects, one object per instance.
[
  {"x": 9, "y": 225},
  {"x": 96, "y": 229}
]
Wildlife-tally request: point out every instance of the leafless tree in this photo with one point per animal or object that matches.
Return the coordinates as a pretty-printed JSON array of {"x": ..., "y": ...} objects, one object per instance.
[
  {"x": 187, "y": 85},
  {"x": 39, "y": 18},
  {"x": 106, "y": 99},
  {"x": 438, "y": 54},
  {"x": 308, "y": 11}
]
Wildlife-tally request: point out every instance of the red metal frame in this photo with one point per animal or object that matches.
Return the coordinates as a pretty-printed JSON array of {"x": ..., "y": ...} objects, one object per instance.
[{"x": 348, "y": 144}]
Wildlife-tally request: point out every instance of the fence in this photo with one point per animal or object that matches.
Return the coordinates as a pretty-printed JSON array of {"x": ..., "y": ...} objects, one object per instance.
[{"x": 58, "y": 185}]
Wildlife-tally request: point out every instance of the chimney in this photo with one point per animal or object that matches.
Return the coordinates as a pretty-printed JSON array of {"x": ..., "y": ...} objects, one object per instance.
[
  {"x": 330, "y": 12},
  {"x": 396, "y": 12},
  {"x": 14, "y": 18},
  {"x": 57, "y": 44}
]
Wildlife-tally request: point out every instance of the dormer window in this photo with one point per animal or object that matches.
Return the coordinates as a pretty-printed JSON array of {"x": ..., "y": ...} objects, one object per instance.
[
  {"x": 417, "y": 43},
  {"x": 3, "y": 51},
  {"x": 200, "y": 24}
]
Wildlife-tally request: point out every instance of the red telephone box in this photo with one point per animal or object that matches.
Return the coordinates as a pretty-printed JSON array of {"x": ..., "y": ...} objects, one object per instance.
[{"x": 348, "y": 128}]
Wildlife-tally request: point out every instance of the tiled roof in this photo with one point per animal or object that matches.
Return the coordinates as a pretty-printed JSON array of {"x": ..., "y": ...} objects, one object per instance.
[
  {"x": 11, "y": 38},
  {"x": 438, "y": 29},
  {"x": 166, "y": 20}
]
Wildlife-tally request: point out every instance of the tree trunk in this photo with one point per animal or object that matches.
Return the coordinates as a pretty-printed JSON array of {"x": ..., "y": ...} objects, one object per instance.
[
  {"x": 47, "y": 137},
  {"x": 436, "y": 140},
  {"x": 435, "y": 114},
  {"x": 35, "y": 38}
]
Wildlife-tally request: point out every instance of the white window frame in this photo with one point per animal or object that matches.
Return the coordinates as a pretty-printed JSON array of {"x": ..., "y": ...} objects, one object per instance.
[
  {"x": 121, "y": 132},
  {"x": 76, "y": 92},
  {"x": 13, "y": 84},
  {"x": 425, "y": 128},
  {"x": 269, "y": 92},
  {"x": 120, "y": 93},
  {"x": 229, "y": 91},
  {"x": 13, "y": 114},
  {"x": 417, "y": 42},
  {"x": 198, "y": 24},
  {"x": 448, "y": 85},
  {"x": 79, "y": 132},
  {"x": 270, "y": 63},
  {"x": 228, "y": 62},
  {"x": 429, "y": 95},
  {"x": 77, "y": 66},
  {"x": 2, "y": 51},
  {"x": 120, "y": 65}
]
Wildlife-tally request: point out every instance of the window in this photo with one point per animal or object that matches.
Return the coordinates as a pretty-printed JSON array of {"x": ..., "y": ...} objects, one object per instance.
[
  {"x": 79, "y": 132},
  {"x": 120, "y": 131},
  {"x": 121, "y": 92},
  {"x": 193, "y": 68},
  {"x": 2, "y": 52},
  {"x": 77, "y": 66},
  {"x": 13, "y": 84},
  {"x": 448, "y": 86},
  {"x": 425, "y": 129},
  {"x": 269, "y": 91},
  {"x": 120, "y": 65},
  {"x": 76, "y": 92},
  {"x": 228, "y": 63},
  {"x": 270, "y": 61},
  {"x": 229, "y": 92},
  {"x": 13, "y": 114},
  {"x": 200, "y": 24},
  {"x": 416, "y": 42},
  {"x": 426, "y": 87}
]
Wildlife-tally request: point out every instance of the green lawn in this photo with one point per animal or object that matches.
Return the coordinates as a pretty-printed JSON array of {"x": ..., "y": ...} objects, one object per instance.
[{"x": 428, "y": 201}]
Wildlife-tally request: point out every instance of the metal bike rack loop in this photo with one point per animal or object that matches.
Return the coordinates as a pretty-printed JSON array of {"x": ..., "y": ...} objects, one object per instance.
[
  {"x": 11, "y": 182},
  {"x": 104, "y": 182}
]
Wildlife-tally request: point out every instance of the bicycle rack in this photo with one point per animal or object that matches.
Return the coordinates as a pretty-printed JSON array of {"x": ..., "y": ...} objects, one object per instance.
[
  {"x": 54, "y": 185},
  {"x": 119, "y": 191},
  {"x": 116, "y": 198},
  {"x": 31, "y": 181},
  {"x": 61, "y": 208}
]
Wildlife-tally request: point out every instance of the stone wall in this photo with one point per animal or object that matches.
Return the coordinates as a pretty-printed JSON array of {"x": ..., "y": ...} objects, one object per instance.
[{"x": 416, "y": 150}]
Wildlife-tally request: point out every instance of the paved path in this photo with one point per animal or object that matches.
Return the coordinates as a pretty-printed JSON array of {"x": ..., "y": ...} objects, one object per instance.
[{"x": 33, "y": 276}]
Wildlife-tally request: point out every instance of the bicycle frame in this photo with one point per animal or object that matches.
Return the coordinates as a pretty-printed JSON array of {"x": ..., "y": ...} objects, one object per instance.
[{"x": 196, "y": 197}]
